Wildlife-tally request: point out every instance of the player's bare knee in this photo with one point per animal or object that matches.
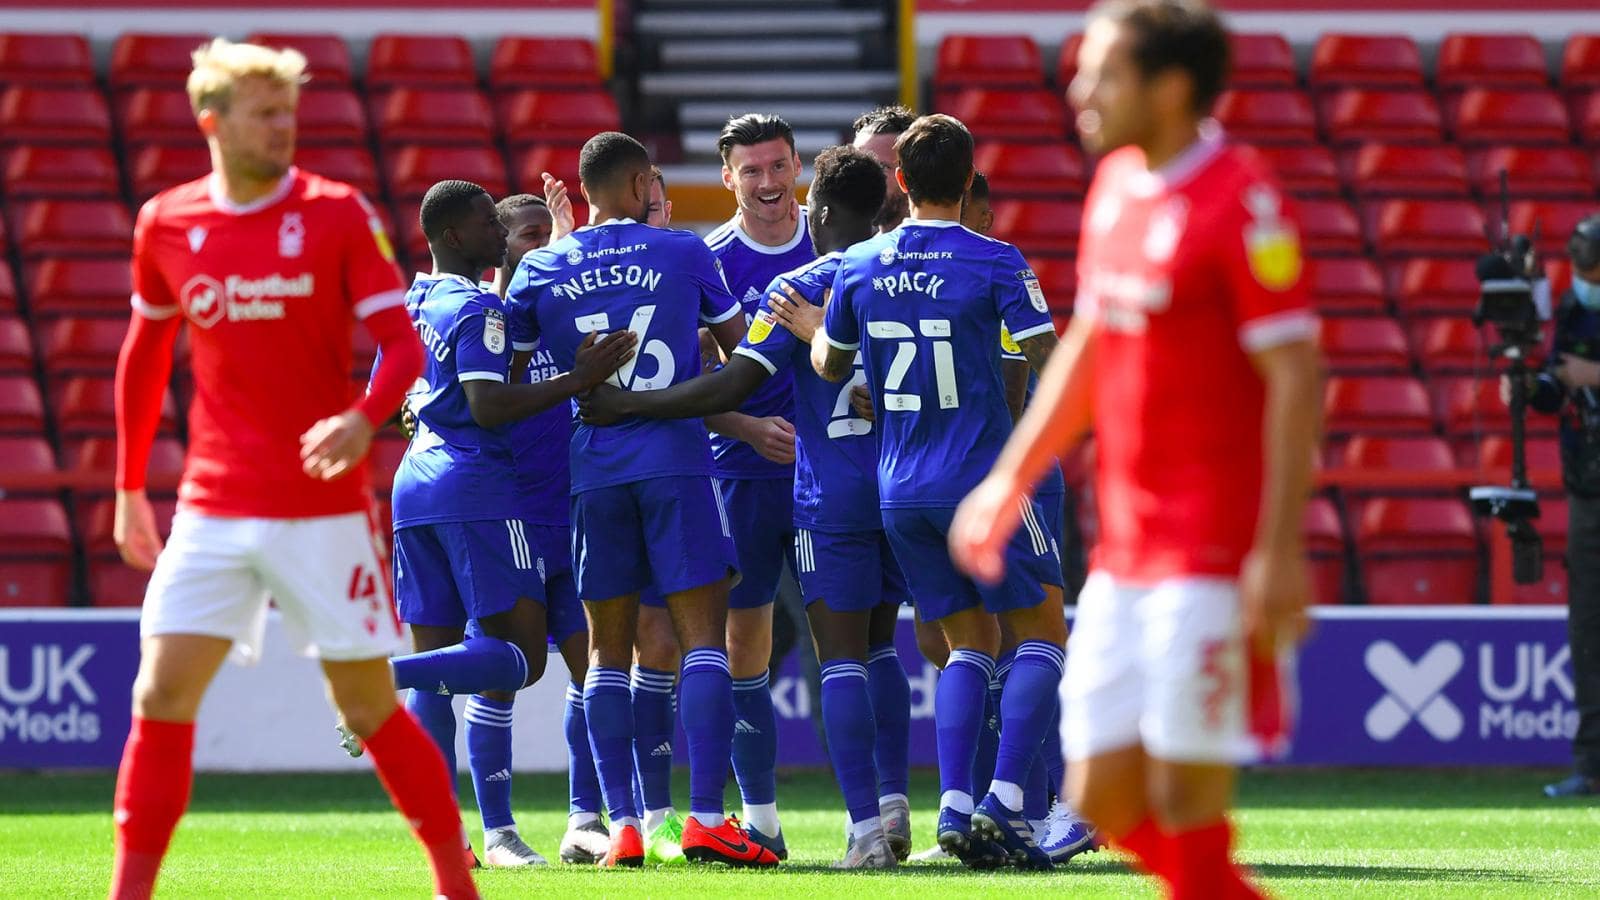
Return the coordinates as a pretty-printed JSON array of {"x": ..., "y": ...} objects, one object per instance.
[
  {"x": 166, "y": 698},
  {"x": 931, "y": 641},
  {"x": 499, "y": 696}
]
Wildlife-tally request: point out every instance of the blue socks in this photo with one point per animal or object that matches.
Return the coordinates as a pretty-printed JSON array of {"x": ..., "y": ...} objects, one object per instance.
[
  {"x": 652, "y": 735},
  {"x": 891, "y": 709},
  {"x": 989, "y": 737},
  {"x": 1025, "y": 710},
  {"x": 437, "y": 716},
  {"x": 489, "y": 756},
  {"x": 847, "y": 716},
  {"x": 1055, "y": 761},
  {"x": 707, "y": 691},
  {"x": 475, "y": 665},
  {"x": 755, "y": 741},
  {"x": 1035, "y": 795},
  {"x": 582, "y": 782},
  {"x": 608, "y": 710},
  {"x": 961, "y": 690}
]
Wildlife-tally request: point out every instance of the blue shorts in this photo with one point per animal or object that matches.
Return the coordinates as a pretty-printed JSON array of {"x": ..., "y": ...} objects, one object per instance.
[
  {"x": 670, "y": 533},
  {"x": 761, "y": 513},
  {"x": 1053, "y": 516},
  {"x": 837, "y": 567},
  {"x": 447, "y": 574},
  {"x": 920, "y": 538},
  {"x": 562, "y": 610}
]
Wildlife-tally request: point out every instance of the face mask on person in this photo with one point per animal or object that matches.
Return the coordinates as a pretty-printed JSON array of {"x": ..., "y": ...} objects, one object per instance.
[{"x": 1587, "y": 292}]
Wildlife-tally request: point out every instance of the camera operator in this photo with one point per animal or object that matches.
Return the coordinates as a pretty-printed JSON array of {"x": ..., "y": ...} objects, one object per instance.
[{"x": 1569, "y": 387}]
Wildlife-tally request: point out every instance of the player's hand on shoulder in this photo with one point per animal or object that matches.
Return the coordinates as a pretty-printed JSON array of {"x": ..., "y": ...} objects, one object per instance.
[
  {"x": 861, "y": 402},
  {"x": 333, "y": 447},
  {"x": 796, "y": 313},
  {"x": 598, "y": 358},
  {"x": 1274, "y": 591},
  {"x": 984, "y": 524},
  {"x": 773, "y": 438},
  {"x": 134, "y": 529},
  {"x": 602, "y": 405}
]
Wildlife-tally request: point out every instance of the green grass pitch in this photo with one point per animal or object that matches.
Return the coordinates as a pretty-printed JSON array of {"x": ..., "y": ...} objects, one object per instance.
[{"x": 1480, "y": 833}]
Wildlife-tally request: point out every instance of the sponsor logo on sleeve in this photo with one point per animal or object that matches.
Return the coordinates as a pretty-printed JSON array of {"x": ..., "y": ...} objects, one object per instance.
[
  {"x": 1030, "y": 282},
  {"x": 494, "y": 331}
]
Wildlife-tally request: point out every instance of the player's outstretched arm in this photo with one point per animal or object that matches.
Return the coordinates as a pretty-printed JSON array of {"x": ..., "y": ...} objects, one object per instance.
[
  {"x": 143, "y": 368},
  {"x": 706, "y": 395},
  {"x": 494, "y": 403},
  {"x": 831, "y": 362}
]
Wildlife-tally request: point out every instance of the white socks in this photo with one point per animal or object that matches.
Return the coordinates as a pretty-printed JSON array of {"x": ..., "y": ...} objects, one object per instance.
[
  {"x": 763, "y": 817},
  {"x": 708, "y": 819},
  {"x": 960, "y": 801},
  {"x": 653, "y": 819},
  {"x": 1007, "y": 793},
  {"x": 580, "y": 819},
  {"x": 864, "y": 828}
]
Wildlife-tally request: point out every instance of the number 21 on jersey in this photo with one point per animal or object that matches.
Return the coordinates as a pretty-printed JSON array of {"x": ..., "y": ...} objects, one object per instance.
[{"x": 906, "y": 347}]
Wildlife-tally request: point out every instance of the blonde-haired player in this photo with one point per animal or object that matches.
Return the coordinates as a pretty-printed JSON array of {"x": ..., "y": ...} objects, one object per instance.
[{"x": 271, "y": 267}]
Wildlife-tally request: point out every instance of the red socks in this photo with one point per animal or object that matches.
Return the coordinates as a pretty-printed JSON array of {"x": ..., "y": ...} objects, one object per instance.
[
  {"x": 1147, "y": 845},
  {"x": 152, "y": 792},
  {"x": 413, "y": 772},
  {"x": 1193, "y": 864}
]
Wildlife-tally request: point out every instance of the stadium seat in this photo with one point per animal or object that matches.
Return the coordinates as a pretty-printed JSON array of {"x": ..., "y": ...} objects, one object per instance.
[
  {"x": 1011, "y": 115},
  {"x": 139, "y": 59},
  {"x": 1559, "y": 271},
  {"x": 1552, "y": 220},
  {"x": 1491, "y": 60},
  {"x": 1540, "y": 454},
  {"x": 1261, "y": 60},
  {"x": 1404, "y": 454},
  {"x": 156, "y": 167},
  {"x": 1377, "y": 405},
  {"x": 1039, "y": 227},
  {"x": 1365, "y": 61},
  {"x": 1365, "y": 345},
  {"x": 1450, "y": 346},
  {"x": 1029, "y": 171},
  {"x": 1425, "y": 227},
  {"x": 1551, "y": 588},
  {"x": 1303, "y": 169},
  {"x": 96, "y": 518},
  {"x": 1586, "y": 118},
  {"x": 989, "y": 60},
  {"x": 157, "y": 116},
  {"x": 16, "y": 345},
  {"x": 557, "y": 117},
  {"x": 1451, "y": 580},
  {"x": 21, "y": 405},
  {"x": 54, "y": 115},
  {"x": 327, "y": 56},
  {"x": 45, "y": 58},
  {"x": 1067, "y": 61},
  {"x": 524, "y": 61},
  {"x": 1415, "y": 525},
  {"x": 82, "y": 346},
  {"x": 1345, "y": 286},
  {"x": 1329, "y": 227},
  {"x": 408, "y": 234},
  {"x": 1324, "y": 537},
  {"x": 72, "y": 228},
  {"x": 85, "y": 406},
  {"x": 42, "y": 171},
  {"x": 436, "y": 60},
  {"x": 35, "y": 582},
  {"x": 533, "y": 162},
  {"x": 1531, "y": 171},
  {"x": 435, "y": 116},
  {"x": 1355, "y": 116},
  {"x": 1470, "y": 406},
  {"x": 26, "y": 457},
  {"x": 112, "y": 583},
  {"x": 1434, "y": 286},
  {"x": 80, "y": 287},
  {"x": 1267, "y": 116},
  {"x": 332, "y": 116},
  {"x": 351, "y": 164},
  {"x": 1487, "y": 116},
  {"x": 412, "y": 170},
  {"x": 96, "y": 458},
  {"x": 1399, "y": 170},
  {"x": 1058, "y": 278},
  {"x": 1580, "y": 62}
]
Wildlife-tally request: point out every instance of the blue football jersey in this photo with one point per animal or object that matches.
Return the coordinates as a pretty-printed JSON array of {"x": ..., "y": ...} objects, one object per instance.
[
  {"x": 454, "y": 470},
  {"x": 749, "y": 267},
  {"x": 835, "y": 450},
  {"x": 542, "y": 445},
  {"x": 623, "y": 276},
  {"x": 1053, "y": 482},
  {"x": 924, "y": 304}
]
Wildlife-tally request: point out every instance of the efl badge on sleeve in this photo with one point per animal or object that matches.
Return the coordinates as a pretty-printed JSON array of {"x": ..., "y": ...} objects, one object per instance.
[
  {"x": 1007, "y": 343},
  {"x": 379, "y": 237},
  {"x": 1271, "y": 245},
  {"x": 494, "y": 331},
  {"x": 761, "y": 326}
]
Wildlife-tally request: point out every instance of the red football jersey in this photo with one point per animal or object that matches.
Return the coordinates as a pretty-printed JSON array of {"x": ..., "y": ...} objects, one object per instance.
[
  {"x": 271, "y": 292},
  {"x": 1184, "y": 272}
]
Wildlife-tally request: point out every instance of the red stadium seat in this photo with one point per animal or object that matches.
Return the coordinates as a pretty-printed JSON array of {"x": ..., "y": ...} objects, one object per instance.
[
  {"x": 408, "y": 236},
  {"x": 332, "y": 116},
  {"x": 112, "y": 583},
  {"x": 1491, "y": 60},
  {"x": 1303, "y": 169},
  {"x": 562, "y": 162},
  {"x": 1039, "y": 227},
  {"x": 557, "y": 117},
  {"x": 1393, "y": 405},
  {"x": 95, "y": 521},
  {"x": 16, "y": 346},
  {"x": 1531, "y": 171},
  {"x": 327, "y": 55},
  {"x": 1267, "y": 116},
  {"x": 25, "y": 456},
  {"x": 40, "y": 171},
  {"x": 1425, "y": 227},
  {"x": 412, "y": 170},
  {"x": 1550, "y": 589},
  {"x": 420, "y": 60},
  {"x": 1541, "y": 453},
  {"x": 351, "y": 165},
  {"x": 54, "y": 115},
  {"x": 1329, "y": 227},
  {"x": 1580, "y": 62},
  {"x": 524, "y": 61},
  {"x": 1486, "y": 116},
  {"x": 157, "y": 116},
  {"x": 1398, "y": 170},
  {"x": 96, "y": 457},
  {"x": 1405, "y": 454},
  {"x": 8, "y": 285},
  {"x": 85, "y": 406},
  {"x": 1011, "y": 115},
  {"x": 1586, "y": 118},
  {"x": 21, "y": 405},
  {"x": 30, "y": 583},
  {"x": 72, "y": 228},
  {"x": 1067, "y": 60},
  {"x": 435, "y": 116},
  {"x": 1031, "y": 170},
  {"x": 82, "y": 346},
  {"x": 1324, "y": 535},
  {"x": 1434, "y": 286},
  {"x": 1470, "y": 406},
  {"x": 1261, "y": 60},
  {"x": 138, "y": 59},
  {"x": 1410, "y": 582},
  {"x": 80, "y": 287},
  {"x": 1365, "y": 345},
  {"x": 156, "y": 167},
  {"x": 1354, "y": 116},
  {"x": 1413, "y": 525},
  {"x": 1366, "y": 61},
  {"x": 1450, "y": 345},
  {"x": 1559, "y": 271},
  {"x": 990, "y": 60},
  {"x": 1553, "y": 221},
  {"x": 45, "y": 58},
  {"x": 1345, "y": 286},
  {"x": 1058, "y": 278}
]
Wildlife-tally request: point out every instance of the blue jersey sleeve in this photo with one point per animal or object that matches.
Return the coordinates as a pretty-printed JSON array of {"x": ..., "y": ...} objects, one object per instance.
[
  {"x": 705, "y": 270},
  {"x": 840, "y": 323},
  {"x": 1018, "y": 298},
  {"x": 521, "y": 321},
  {"x": 481, "y": 349},
  {"x": 768, "y": 342}
]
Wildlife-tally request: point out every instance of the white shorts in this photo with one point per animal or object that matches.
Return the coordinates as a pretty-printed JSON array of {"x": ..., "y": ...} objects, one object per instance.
[
  {"x": 1165, "y": 667},
  {"x": 327, "y": 574}
]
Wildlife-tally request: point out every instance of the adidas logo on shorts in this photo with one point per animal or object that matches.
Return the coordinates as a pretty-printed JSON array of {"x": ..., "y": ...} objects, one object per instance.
[
  {"x": 664, "y": 750},
  {"x": 744, "y": 727}
]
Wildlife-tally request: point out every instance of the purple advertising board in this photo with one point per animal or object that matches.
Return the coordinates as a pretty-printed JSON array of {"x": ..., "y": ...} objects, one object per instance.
[{"x": 65, "y": 680}]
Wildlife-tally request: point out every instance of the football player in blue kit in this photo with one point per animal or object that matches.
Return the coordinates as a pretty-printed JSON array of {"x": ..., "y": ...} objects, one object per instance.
[
  {"x": 645, "y": 509},
  {"x": 921, "y": 304},
  {"x": 839, "y": 532}
]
